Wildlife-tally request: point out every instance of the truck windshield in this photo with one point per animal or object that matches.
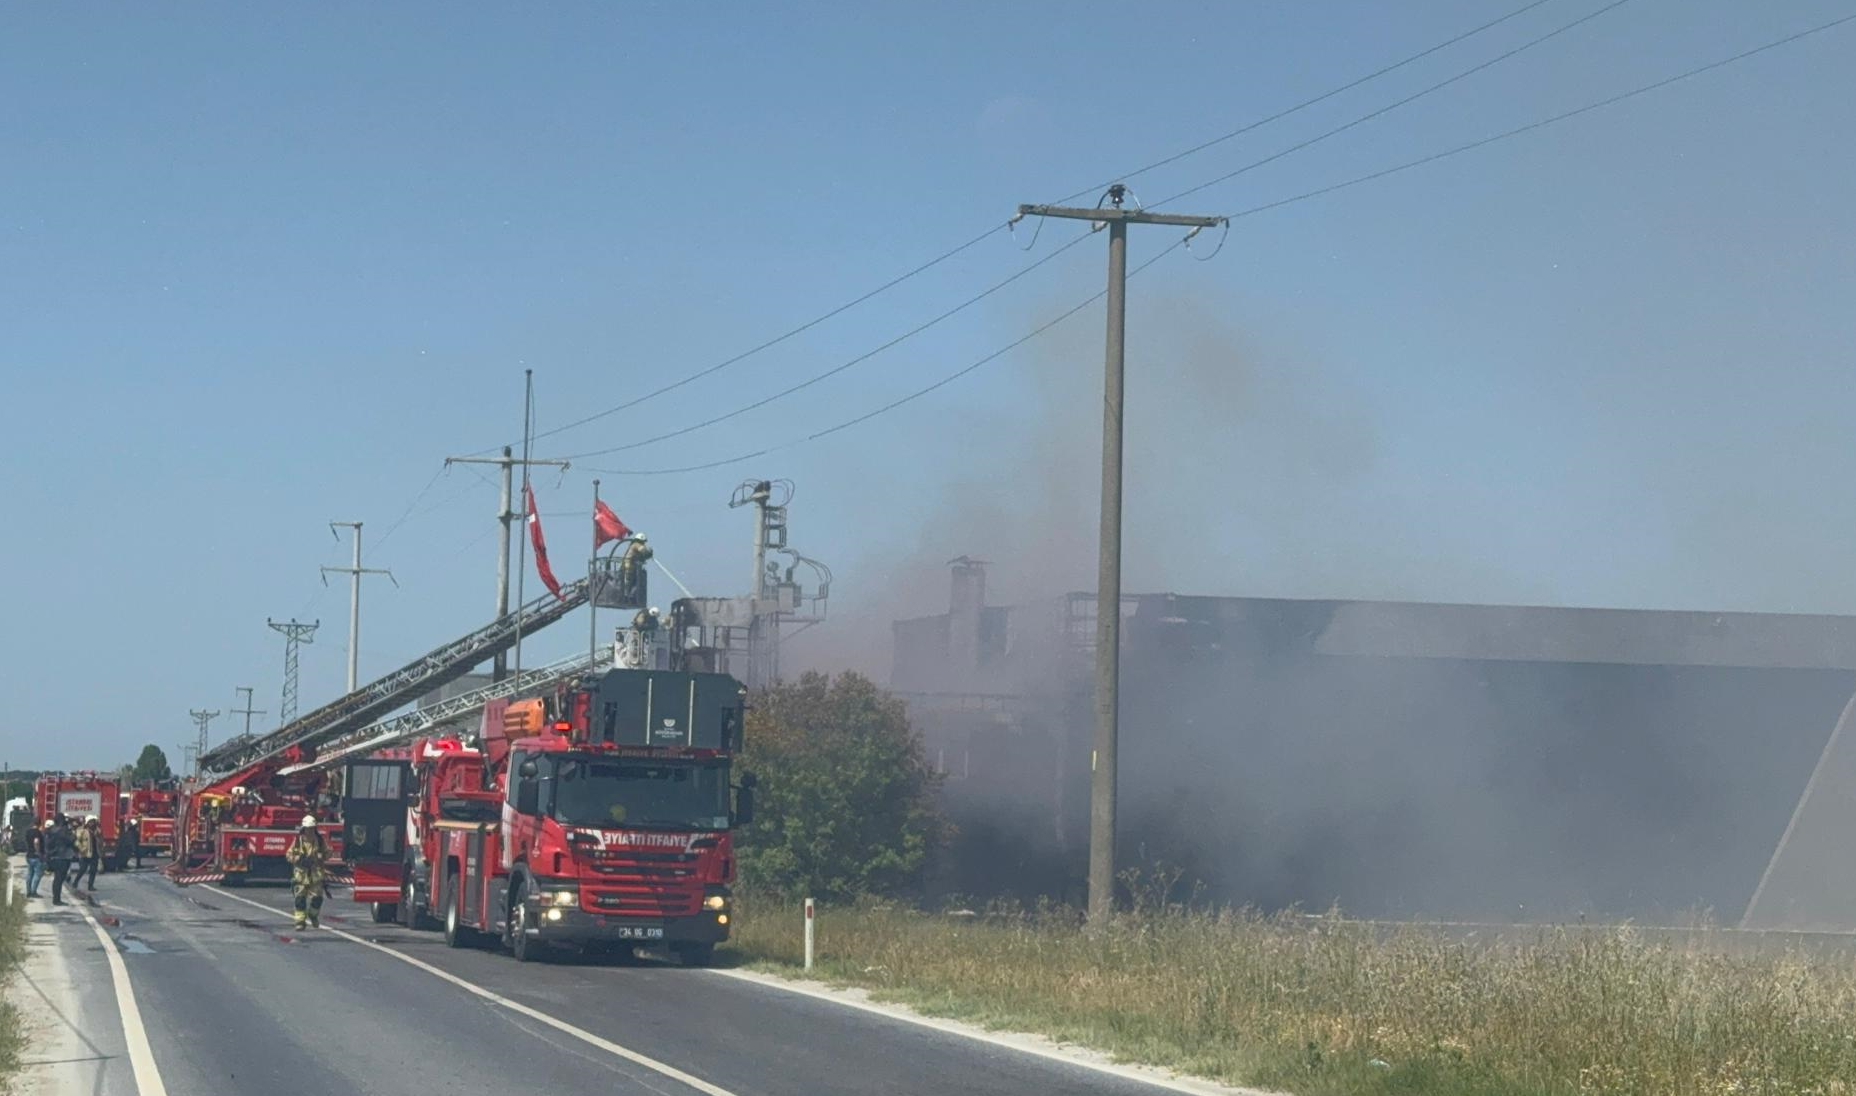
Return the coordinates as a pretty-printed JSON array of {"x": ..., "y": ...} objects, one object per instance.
[{"x": 642, "y": 794}]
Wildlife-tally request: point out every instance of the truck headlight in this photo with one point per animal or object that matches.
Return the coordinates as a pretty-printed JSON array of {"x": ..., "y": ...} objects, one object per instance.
[
  {"x": 716, "y": 902},
  {"x": 565, "y": 897}
]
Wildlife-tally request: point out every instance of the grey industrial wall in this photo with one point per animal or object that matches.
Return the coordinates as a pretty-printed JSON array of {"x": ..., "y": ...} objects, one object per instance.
[{"x": 1506, "y": 787}]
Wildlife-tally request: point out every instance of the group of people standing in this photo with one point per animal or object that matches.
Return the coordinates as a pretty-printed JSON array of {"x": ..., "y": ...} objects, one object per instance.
[{"x": 61, "y": 845}]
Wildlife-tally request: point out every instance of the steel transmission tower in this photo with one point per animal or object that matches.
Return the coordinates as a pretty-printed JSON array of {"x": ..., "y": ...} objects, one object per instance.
[
  {"x": 294, "y": 633},
  {"x": 201, "y": 717}
]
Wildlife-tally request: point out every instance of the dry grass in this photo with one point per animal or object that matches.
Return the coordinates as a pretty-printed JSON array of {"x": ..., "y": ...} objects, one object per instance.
[
  {"x": 12, "y": 952},
  {"x": 1329, "y": 1006}
]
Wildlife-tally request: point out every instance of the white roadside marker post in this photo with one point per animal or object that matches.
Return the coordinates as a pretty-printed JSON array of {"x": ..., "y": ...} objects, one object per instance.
[{"x": 809, "y": 923}]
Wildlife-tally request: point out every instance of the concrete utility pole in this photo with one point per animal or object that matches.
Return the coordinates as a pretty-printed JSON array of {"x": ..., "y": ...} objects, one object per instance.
[
  {"x": 507, "y": 515},
  {"x": 1108, "y": 576},
  {"x": 247, "y": 711},
  {"x": 202, "y": 718},
  {"x": 294, "y": 633},
  {"x": 354, "y": 596}
]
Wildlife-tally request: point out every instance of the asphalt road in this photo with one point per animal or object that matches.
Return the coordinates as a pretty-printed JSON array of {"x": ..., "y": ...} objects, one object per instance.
[{"x": 234, "y": 1001}]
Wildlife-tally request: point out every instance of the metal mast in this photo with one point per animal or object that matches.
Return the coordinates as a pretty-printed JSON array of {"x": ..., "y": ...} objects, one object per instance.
[{"x": 294, "y": 633}]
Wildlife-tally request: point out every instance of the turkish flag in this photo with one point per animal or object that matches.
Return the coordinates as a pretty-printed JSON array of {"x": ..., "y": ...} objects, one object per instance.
[
  {"x": 541, "y": 545},
  {"x": 606, "y": 525}
]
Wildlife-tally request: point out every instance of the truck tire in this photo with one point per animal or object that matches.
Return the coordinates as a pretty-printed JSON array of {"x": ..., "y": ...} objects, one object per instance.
[
  {"x": 385, "y": 913},
  {"x": 456, "y": 935},
  {"x": 696, "y": 955},
  {"x": 411, "y": 911},
  {"x": 524, "y": 949}
]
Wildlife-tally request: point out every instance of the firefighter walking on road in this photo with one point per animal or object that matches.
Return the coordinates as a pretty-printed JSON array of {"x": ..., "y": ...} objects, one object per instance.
[
  {"x": 308, "y": 856},
  {"x": 88, "y": 848}
]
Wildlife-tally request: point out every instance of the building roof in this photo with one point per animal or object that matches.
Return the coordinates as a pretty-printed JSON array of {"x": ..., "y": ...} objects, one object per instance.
[{"x": 1513, "y": 633}]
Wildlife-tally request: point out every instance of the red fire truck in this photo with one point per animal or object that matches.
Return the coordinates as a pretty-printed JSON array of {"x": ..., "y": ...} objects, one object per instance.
[
  {"x": 239, "y": 827},
  {"x": 594, "y": 816},
  {"x": 153, "y": 808},
  {"x": 79, "y": 796}
]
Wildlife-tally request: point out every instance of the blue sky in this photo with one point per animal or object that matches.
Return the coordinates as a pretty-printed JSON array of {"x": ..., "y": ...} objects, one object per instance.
[{"x": 265, "y": 266}]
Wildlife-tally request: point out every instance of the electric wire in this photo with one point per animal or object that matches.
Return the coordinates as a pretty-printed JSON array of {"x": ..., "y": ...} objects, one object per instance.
[
  {"x": 772, "y": 342},
  {"x": 1412, "y": 98},
  {"x": 1304, "y": 196},
  {"x": 404, "y": 514},
  {"x": 1599, "y": 104},
  {"x": 1007, "y": 225},
  {"x": 900, "y": 401},
  {"x": 839, "y": 368},
  {"x": 1306, "y": 103},
  {"x": 1273, "y": 157}
]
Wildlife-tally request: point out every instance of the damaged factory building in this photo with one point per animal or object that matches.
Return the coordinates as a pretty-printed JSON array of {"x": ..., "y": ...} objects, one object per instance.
[{"x": 1404, "y": 760}]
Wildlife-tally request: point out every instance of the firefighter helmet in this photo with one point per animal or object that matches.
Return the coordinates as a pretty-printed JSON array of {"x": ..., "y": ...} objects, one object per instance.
[{"x": 308, "y": 823}]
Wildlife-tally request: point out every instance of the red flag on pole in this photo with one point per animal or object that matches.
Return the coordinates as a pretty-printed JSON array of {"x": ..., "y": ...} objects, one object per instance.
[
  {"x": 541, "y": 545},
  {"x": 606, "y": 525}
]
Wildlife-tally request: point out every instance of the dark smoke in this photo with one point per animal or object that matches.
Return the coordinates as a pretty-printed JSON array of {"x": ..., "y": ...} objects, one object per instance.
[{"x": 1271, "y": 773}]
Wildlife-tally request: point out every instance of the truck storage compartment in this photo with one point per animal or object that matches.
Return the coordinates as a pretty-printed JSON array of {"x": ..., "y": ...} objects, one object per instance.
[{"x": 668, "y": 708}]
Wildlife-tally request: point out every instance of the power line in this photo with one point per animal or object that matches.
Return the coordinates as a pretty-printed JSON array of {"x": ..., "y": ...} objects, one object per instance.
[
  {"x": 1317, "y": 139},
  {"x": 1541, "y": 124},
  {"x": 1304, "y": 196},
  {"x": 996, "y": 228},
  {"x": 775, "y": 341},
  {"x": 837, "y": 369},
  {"x": 1304, "y": 104},
  {"x": 416, "y": 499},
  {"x": 894, "y": 404},
  {"x": 1413, "y": 97}
]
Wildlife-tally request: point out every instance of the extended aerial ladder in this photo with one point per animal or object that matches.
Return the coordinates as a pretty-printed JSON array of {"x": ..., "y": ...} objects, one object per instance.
[
  {"x": 422, "y": 675},
  {"x": 402, "y": 730},
  {"x": 237, "y": 822}
]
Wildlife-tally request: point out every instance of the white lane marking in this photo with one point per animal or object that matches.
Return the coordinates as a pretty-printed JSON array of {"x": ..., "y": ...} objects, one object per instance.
[
  {"x": 607, "y": 1045},
  {"x": 1035, "y": 1045},
  {"x": 134, "y": 1034}
]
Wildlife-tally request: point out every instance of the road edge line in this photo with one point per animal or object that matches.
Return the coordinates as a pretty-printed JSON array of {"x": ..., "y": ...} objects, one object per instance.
[
  {"x": 627, "y": 1054},
  {"x": 1040, "y": 1046},
  {"x": 134, "y": 1033}
]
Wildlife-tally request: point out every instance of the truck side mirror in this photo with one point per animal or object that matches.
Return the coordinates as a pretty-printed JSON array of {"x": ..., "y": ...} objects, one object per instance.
[
  {"x": 744, "y": 800},
  {"x": 528, "y": 796}
]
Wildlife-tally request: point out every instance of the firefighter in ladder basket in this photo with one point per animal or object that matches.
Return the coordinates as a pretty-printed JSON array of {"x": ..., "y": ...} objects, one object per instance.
[{"x": 308, "y": 856}]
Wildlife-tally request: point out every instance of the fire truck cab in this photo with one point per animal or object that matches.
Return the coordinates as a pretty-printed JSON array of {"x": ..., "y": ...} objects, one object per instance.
[{"x": 597, "y": 816}]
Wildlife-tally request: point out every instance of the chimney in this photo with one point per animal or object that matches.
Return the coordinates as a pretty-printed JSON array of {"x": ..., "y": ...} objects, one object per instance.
[{"x": 966, "y": 598}]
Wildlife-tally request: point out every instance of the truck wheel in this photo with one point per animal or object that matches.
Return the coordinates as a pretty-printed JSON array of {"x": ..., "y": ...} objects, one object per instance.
[
  {"x": 411, "y": 912},
  {"x": 456, "y": 935},
  {"x": 696, "y": 955},
  {"x": 524, "y": 949},
  {"x": 385, "y": 913}
]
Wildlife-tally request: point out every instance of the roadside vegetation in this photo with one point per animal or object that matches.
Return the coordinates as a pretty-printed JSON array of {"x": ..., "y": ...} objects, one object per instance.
[
  {"x": 12, "y": 953},
  {"x": 1316, "y": 1006},
  {"x": 847, "y": 805},
  {"x": 1330, "y": 1006}
]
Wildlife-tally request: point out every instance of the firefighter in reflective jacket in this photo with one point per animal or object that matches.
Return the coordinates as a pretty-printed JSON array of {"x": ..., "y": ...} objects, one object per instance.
[{"x": 308, "y": 855}]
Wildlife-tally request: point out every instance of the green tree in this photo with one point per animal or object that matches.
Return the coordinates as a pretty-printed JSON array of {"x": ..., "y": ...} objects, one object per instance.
[
  {"x": 152, "y": 765},
  {"x": 846, "y": 805}
]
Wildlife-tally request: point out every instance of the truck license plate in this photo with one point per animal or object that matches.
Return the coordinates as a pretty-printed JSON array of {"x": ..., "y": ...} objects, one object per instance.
[{"x": 640, "y": 932}]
